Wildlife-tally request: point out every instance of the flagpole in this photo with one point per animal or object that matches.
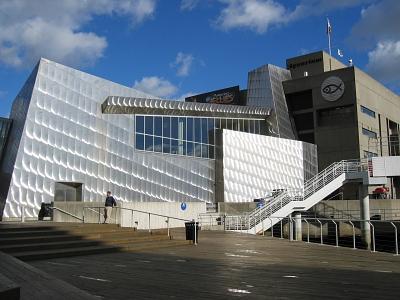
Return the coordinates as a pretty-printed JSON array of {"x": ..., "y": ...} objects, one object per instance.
[{"x": 329, "y": 30}]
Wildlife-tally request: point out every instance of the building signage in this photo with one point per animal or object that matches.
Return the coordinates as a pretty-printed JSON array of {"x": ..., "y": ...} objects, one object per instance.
[
  {"x": 332, "y": 88},
  {"x": 183, "y": 206},
  {"x": 225, "y": 96}
]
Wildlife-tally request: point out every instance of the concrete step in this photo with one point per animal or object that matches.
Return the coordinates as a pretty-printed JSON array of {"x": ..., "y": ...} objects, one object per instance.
[
  {"x": 30, "y": 233},
  {"x": 49, "y": 245},
  {"x": 55, "y": 253},
  {"x": 38, "y": 239}
]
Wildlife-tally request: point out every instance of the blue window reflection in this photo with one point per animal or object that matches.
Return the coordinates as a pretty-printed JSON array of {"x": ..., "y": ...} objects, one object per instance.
[
  {"x": 167, "y": 127},
  {"x": 148, "y": 125},
  {"x": 148, "y": 143},
  {"x": 189, "y": 132},
  {"x": 140, "y": 141},
  {"x": 174, "y": 127},
  {"x": 140, "y": 124},
  {"x": 158, "y": 125}
]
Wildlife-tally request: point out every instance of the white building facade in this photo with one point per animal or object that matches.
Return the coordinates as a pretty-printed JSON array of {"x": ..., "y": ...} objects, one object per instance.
[{"x": 75, "y": 136}]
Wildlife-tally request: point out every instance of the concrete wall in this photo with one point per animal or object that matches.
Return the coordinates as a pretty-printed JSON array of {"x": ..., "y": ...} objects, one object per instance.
[
  {"x": 172, "y": 209},
  {"x": 125, "y": 218}
]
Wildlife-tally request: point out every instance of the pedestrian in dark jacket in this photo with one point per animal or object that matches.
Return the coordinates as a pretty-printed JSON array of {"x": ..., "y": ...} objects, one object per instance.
[{"x": 108, "y": 206}]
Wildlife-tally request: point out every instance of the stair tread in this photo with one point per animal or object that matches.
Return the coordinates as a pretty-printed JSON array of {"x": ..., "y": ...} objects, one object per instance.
[{"x": 67, "y": 250}]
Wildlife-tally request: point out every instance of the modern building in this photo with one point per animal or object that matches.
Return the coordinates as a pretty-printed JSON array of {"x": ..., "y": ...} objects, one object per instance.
[
  {"x": 74, "y": 136},
  {"x": 344, "y": 111}
]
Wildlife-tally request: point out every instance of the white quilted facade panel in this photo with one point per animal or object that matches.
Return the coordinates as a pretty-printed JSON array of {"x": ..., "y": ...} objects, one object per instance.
[
  {"x": 254, "y": 165},
  {"x": 59, "y": 134}
]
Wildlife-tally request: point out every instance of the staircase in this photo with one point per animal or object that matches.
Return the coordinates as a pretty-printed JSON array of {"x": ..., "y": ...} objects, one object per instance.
[
  {"x": 33, "y": 241},
  {"x": 291, "y": 200}
]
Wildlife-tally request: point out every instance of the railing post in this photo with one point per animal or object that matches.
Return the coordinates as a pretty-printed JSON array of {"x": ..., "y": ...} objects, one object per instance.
[
  {"x": 373, "y": 235},
  {"x": 168, "y": 226},
  {"x": 262, "y": 226},
  {"x": 99, "y": 214},
  {"x": 248, "y": 223},
  {"x": 83, "y": 215},
  {"x": 354, "y": 234},
  {"x": 395, "y": 238},
  {"x": 237, "y": 223},
  {"x": 322, "y": 239},
  {"x": 281, "y": 230},
  {"x": 149, "y": 223},
  {"x": 195, "y": 232},
  {"x": 22, "y": 213},
  {"x": 336, "y": 233},
  {"x": 132, "y": 219},
  {"x": 308, "y": 230},
  {"x": 272, "y": 228}
]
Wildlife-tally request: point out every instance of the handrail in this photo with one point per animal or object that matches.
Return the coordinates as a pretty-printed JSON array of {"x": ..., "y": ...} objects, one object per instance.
[
  {"x": 311, "y": 186},
  {"x": 140, "y": 211},
  {"x": 67, "y": 213}
]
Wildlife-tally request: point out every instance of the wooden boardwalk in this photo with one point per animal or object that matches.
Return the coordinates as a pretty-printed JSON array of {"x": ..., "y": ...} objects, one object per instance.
[{"x": 228, "y": 265}]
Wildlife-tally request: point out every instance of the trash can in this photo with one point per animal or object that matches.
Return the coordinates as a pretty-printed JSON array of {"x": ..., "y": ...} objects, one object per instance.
[
  {"x": 46, "y": 211},
  {"x": 189, "y": 226}
]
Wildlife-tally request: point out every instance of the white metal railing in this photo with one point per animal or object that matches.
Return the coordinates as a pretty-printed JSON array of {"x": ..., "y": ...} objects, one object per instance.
[
  {"x": 286, "y": 196},
  {"x": 66, "y": 213},
  {"x": 97, "y": 209},
  {"x": 389, "y": 244}
]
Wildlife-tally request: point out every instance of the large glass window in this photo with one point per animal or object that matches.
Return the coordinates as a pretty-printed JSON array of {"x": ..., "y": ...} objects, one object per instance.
[{"x": 189, "y": 136}]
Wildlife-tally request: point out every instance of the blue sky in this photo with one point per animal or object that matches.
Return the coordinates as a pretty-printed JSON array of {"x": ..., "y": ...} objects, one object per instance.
[{"x": 173, "y": 48}]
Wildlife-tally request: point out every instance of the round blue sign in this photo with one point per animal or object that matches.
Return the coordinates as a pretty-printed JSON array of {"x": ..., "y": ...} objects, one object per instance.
[{"x": 183, "y": 206}]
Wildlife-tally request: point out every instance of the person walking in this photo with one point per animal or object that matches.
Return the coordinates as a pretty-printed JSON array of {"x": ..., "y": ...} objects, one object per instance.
[{"x": 108, "y": 206}]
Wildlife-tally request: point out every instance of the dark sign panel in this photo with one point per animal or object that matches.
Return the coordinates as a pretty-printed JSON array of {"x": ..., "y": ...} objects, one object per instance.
[{"x": 229, "y": 95}]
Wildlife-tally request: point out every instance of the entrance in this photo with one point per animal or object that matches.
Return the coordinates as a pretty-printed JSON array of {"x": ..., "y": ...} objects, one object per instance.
[{"x": 68, "y": 192}]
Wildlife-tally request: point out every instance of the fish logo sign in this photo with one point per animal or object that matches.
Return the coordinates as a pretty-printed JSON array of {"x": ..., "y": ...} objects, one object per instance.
[{"x": 332, "y": 88}]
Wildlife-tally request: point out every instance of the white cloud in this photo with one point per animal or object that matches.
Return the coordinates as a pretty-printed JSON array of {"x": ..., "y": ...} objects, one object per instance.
[
  {"x": 156, "y": 86},
  {"x": 384, "y": 62},
  {"x": 260, "y": 15},
  {"x": 257, "y": 15},
  {"x": 53, "y": 29},
  {"x": 183, "y": 63},
  {"x": 378, "y": 32},
  {"x": 189, "y": 4}
]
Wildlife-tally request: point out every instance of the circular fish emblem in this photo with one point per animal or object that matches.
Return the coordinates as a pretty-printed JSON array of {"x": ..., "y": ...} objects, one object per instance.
[{"x": 332, "y": 88}]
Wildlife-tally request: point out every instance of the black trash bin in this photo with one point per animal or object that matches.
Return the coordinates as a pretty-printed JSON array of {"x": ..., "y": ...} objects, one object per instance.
[
  {"x": 46, "y": 211},
  {"x": 189, "y": 226}
]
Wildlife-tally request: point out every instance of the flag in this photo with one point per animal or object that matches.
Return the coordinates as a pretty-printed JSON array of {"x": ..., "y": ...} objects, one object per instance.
[
  {"x": 350, "y": 62},
  {"x": 339, "y": 53},
  {"x": 328, "y": 27}
]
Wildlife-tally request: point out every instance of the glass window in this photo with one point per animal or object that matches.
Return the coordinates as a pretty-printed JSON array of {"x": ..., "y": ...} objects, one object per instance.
[
  {"x": 368, "y": 111},
  {"x": 166, "y": 145},
  {"x": 182, "y": 128},
  {"x": 189, "y": 149},
  {"x": 148, "y": 143},
  {"x": 140, "y": 141},
  {"x": 158, "y": 123},
  {"x": 246, "y": 125},
  {"x": 148, "y": 125},
  {"x": 189, "y": 132},
  {"x": 167, "y": 127},
  {"x": 257, "y": 127},
  {"x": 211, "y": 131},
  {"x": 252, "y": 125},
  {"x": 174, "y": 147},
  {"x": 229, "y": 124},
  {"x": 158, "y": 147},
  {"x": 174, "y": 127},
  {"x": 369, "y": 133},
  {"x": 368, "y": 154},
  {"x": 197, "y": 130},
  {"x": 235, "y": 124},
  {"x": 211, "y": 151},
  {"x": 204, "y": 151},
  {"x": 140, "y": 124},
  {"x": 197, "y": 150},
  {"x": 204, "y": 131},
  {"x": 182, "y": 148}
]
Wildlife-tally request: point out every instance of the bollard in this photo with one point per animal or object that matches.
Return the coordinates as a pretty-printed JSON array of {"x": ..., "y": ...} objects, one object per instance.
[{"x": 354, "y": 234}]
